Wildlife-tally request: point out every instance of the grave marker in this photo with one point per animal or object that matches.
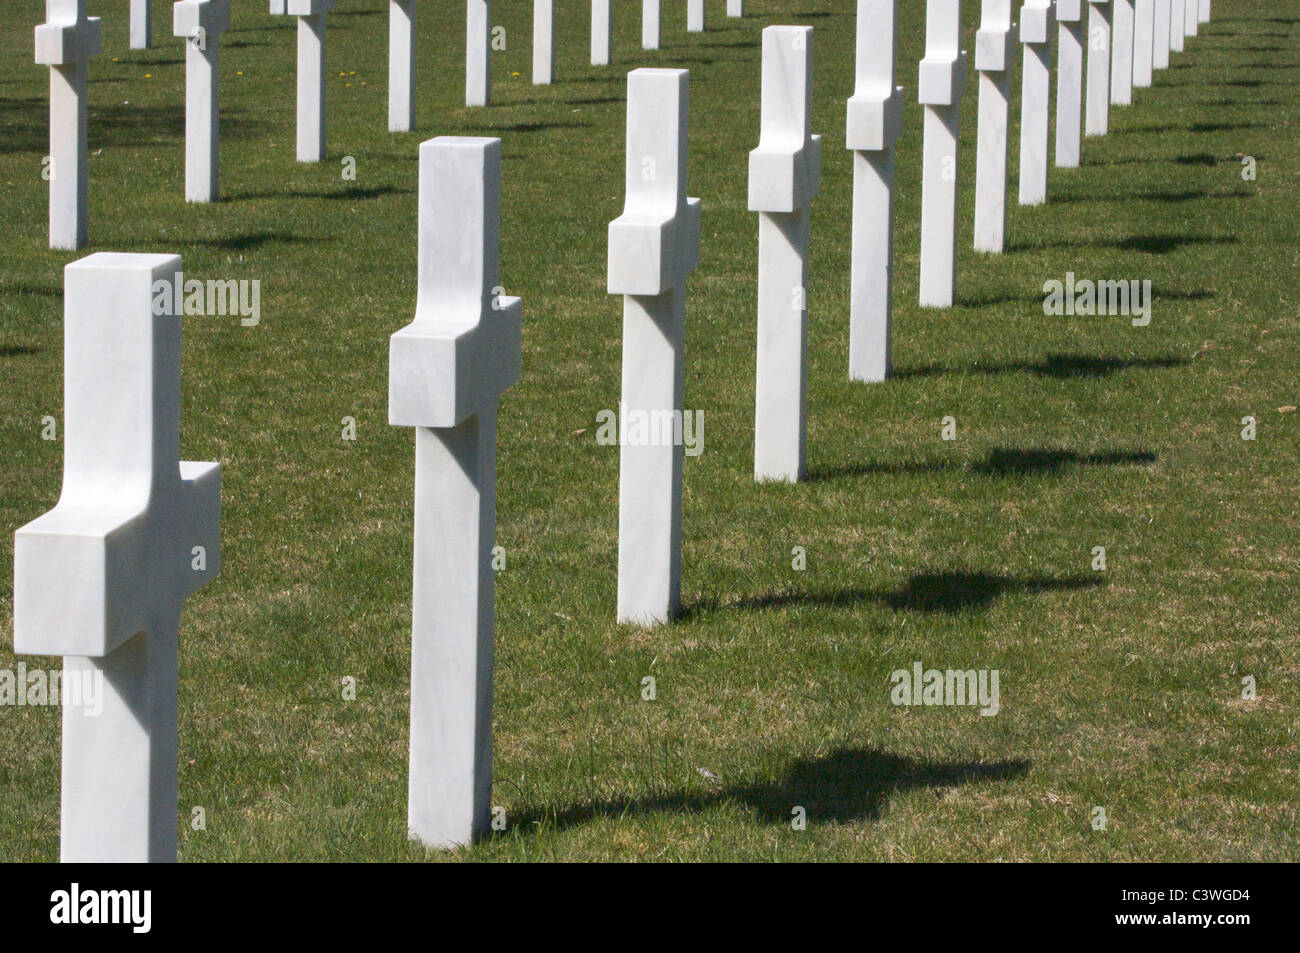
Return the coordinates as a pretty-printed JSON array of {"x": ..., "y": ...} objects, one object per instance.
[
  {"x": 141, "y": 30},
  {"x": 1144, "y": 22},
  {"x": 942, "y": 78},
  {"x": 1036, "y": 22},
  {"x": 1203, "y": 11},
  {"x": 875, "y": 118},
  {"x": 1121, "y": 64},
  {"x": 311, "y": 72},
  {"x": 1069, "y": 81},
  {"x": 1177, "y": 21},
  {"x": 784, "y": 175},
  {"x": 201, "y": 23},
  {"x": 650, "y": 24},
  {"x": 653, "y": 246},
  {"x": 447, "y": 371},
  {"x": 600, "y": 32},
  {"x": 478, "y": 53},
  {"x": 543, "y": 42},
  {"x": 101, "y": 578},
  {"x": 694, "y": 16},
  {"x": 1097, "y": 106},
  {"x": 65, "y": 42},
  {"x": 994, "y": 42},
  {"x": 1191, "y": 16},
  {"x": 736, "y": 8},
  {"x": 401, "y": 65},
  {"x": 1160, "y": 35}
]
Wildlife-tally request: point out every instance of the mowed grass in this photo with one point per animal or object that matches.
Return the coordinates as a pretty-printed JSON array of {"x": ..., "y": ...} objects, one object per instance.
[{"x": 1120, "y": 689}]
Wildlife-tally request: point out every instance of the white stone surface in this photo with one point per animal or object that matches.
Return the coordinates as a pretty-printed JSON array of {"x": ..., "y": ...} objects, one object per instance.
[
  {"x": 1070, "y": 36},
  {"x": 942, "y": 78},
  {"x": 1160, "y": 36},
  {"x": 141, "y": 30},
  {"x": 100, "y": 579},
  {"x": 1121, "y": 64},
  {"x": 694, "y": 16},
  {"x": 1191, "y": 16},
  {"x": 401, "y": 65},
  {"x": 1177, "y": 20},
  {"x": 65, "y": 42},
  {"x": 1037, "y": 23},
  {"x": 875, "y": 118},
  {"x": 1144, "y": 21},
  {"x": 478, "y": 53},
  {"x": 543, "y": 42},
  {"x": 600, "y": 33},
  {"x": 653, "y": 246},
  {"x": 1203, "y": 11},
  {"x": 447, "y": 371},
  {"x": 784, "y": 175},
  {"x": 1097, "y": 104},
  {"x": 994, "y": 55},
  {"x": 650, "y": 17},
  {"x": 200, "y": 22},
  {"x": 736, "y": 8},
  {"x": 311, "y": 73}
]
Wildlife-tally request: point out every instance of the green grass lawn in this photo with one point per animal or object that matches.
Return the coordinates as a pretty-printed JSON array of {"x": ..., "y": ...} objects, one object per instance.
[{"x": 1119, "y": 689}]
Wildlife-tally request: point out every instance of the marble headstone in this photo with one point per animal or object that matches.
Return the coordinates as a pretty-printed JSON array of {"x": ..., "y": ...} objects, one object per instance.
[
  {"x": 600, "y": 32},
  {"x": 942, "y": 79},
  {"x": 401, "y": 65},
  {"x": 1036, "y": 28},
  {"x": 200, "y": 22},
  {"x": 1121, "y": 64},
  {"x": 543, "y": 42},
  {"x": 311, "y": 73},
  {"x": 65, "y": 42},
  {"x": 1097, "y": 104},
  {"x": 478, "y": 52},
  {"x": 784, "y": 175},
  {"x": 101, "y": 578},
  {"x": 446, "y": 373},
  {"x": 1069, "y": 81},
  {"x": 995, "y": 43},
  {"x": 874, "y": 120},
  {"x": 653, "y": 246}
]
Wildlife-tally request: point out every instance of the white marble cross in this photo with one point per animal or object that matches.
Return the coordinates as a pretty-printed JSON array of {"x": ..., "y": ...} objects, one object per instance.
[
  {"x": 447, "y": 371},
  {"x": 1177, "y": 24},
  {"x": 784, "y": 175},
  {"x": 650, "y": 17},
  {"x": 1160, "y": 35},
  {"x": 736, "y": 8},
  {"x": 65, "y": 42},
  {"x": 694, "y": 16},
  {"x": 653, "y": 246},
  {"x": 1069, "y": 82},
  {"x": 942, "y": 79},
  {"x": 100, "y": 579},
  {"x": 1036, "y": 23},
  {"x": 1203, "y": 11},
  {"x": 874, "y": 120},
  {"x": 311, "y": 72},
  {"x": 478, "y": 52},
  {"x": 1121, "y": 64},
  {"x": 1191, "y": 16},
  {"x": 1144, "y": 22},
  {"x": 1097, "y": 106},
  {"x": 401, "y": 65},
  {"x": 141, "y": 30},
  {"x": 600, "y": 33},
  {"x": 200, "y": 22},
  {"x": 543, "y": 42},
  {"x": 994, "y": 45}
]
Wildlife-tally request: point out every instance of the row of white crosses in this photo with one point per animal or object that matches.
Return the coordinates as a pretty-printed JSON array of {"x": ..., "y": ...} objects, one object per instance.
[{"x": 100, "y": 578}]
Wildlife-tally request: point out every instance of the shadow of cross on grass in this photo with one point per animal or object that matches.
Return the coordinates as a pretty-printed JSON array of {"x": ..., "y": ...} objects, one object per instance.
[
  {"x": 1000, "y": 461},
  {"x": 849, "y": 784},
  {"x": 947, "y": 591}
]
